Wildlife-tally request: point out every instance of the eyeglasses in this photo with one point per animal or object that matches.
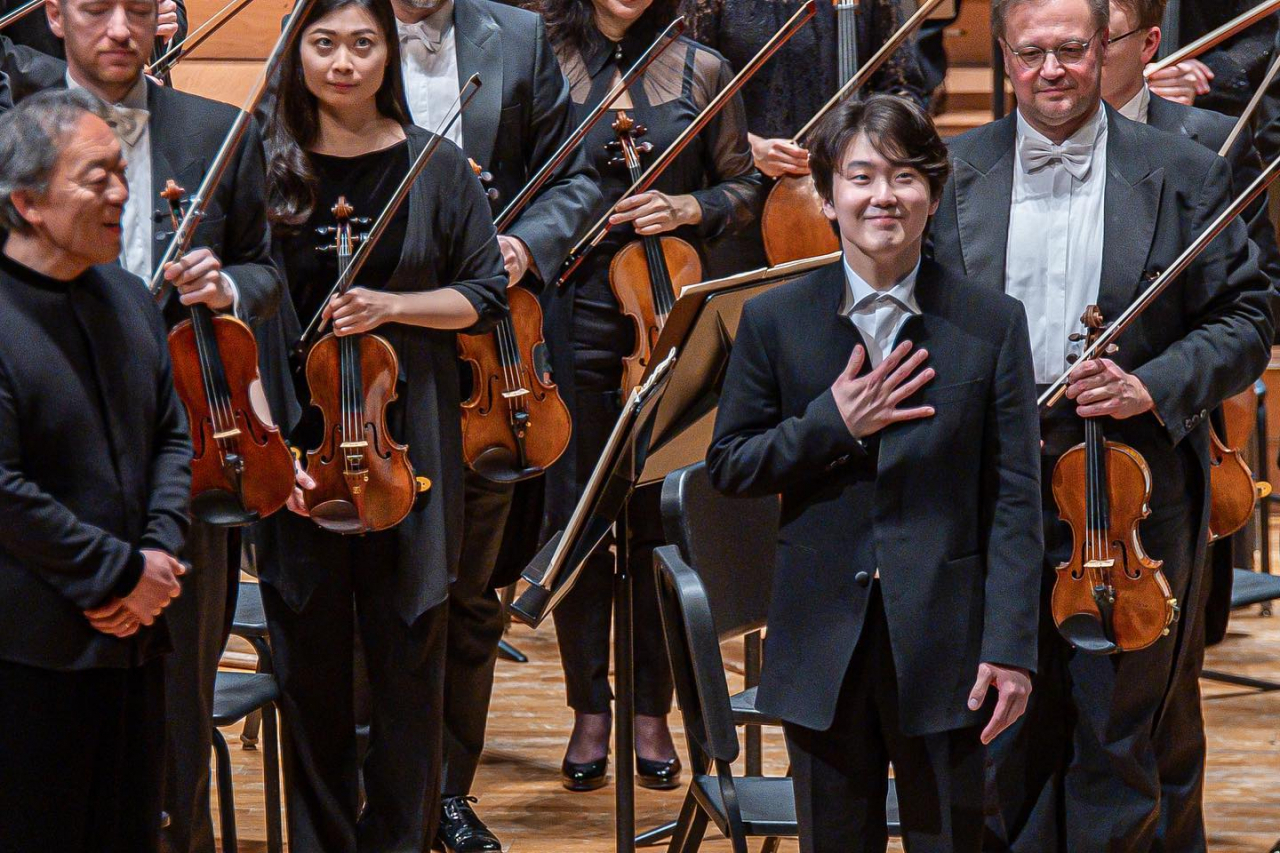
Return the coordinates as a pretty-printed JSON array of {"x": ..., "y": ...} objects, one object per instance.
[
  {"x": 1115, "y": 39},
  {"x": 1070, "y": 52}
]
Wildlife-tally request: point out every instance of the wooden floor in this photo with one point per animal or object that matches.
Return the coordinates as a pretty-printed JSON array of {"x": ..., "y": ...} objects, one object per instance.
[{"x": 521, "y": 797}]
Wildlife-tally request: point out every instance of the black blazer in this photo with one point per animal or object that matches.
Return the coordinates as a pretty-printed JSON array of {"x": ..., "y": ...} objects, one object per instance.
[
  {"x": 1211, "y": 130},
  {"x": 947, "y": 509},
  {"x": 517, "y": 120},
  {"x": 28, "y": 70},
  {"x": 94, "y": 464}
]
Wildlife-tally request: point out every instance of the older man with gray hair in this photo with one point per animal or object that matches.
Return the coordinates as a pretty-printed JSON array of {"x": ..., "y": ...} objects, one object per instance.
[
  {"x": 94, "y": 482},
  {"x": 1067, "y": 204}
]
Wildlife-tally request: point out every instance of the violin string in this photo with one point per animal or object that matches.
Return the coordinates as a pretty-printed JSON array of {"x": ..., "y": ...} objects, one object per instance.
[{"x": 206, "y": 376}]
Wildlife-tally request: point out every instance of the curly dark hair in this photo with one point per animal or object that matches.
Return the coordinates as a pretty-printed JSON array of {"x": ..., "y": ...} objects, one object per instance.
[
  {"x": 901, "y": 131},
  {"x": 293, "y": 124},
  {"x": 570, "y": 22}
]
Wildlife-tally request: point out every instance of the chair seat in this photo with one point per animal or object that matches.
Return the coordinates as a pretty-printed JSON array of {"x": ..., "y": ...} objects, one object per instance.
[
  {"x": 744, "y": 710},
  {"x": 238, "y": 694},
  {"x": 768, "y": 805},
  {"x": 250, "y": 619},
  {"x": 1253, "y": 588}
]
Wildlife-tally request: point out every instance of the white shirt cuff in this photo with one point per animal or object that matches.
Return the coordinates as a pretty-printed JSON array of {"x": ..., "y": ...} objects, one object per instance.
[{"x": 235, "y": 294}]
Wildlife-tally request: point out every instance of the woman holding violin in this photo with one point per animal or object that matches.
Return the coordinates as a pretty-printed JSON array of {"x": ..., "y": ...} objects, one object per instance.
[
  {"x": 339, "y": 144},
  {"x": 711, "y": 188},
  {"x": 807, "y": 70}
]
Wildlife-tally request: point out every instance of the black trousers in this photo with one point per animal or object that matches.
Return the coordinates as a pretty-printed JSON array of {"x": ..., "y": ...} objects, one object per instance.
[
  {"x": 81, "y": 759},
  {"x": 475, "y": 629},
  {"x": 1109, "y": 756},
  {"x": 584, "y": 618},
  {"x": 199, "y": 621},
  {"x": 313, "y": 652},
  {"x": 841, "y": 774}
]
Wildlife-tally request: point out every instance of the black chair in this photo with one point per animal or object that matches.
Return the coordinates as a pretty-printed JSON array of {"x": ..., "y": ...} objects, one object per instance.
[
  {"x": 730, "y": 542},
  {"x": 236, "y": 696},
  {"x": 250, "y": 623},
  {"x": 741, "y": 808}
]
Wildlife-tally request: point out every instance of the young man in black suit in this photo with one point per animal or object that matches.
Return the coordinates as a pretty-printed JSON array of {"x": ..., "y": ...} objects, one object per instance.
[
  {"x": 892, "y": 405},
  {"x": 94, "y": 485},
  {"x": 170, "y": 134},
  {"x": 517, "y": 120},
  {"x": 1061, "y": 204}
]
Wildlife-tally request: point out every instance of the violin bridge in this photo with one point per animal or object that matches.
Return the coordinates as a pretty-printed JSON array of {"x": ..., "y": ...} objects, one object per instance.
[
  {"x": 229, "y": 433},
  {"x": 519, "y": 392},
  {"x": 353, "y": 444},
  {"x": 1100, "y": 564}
]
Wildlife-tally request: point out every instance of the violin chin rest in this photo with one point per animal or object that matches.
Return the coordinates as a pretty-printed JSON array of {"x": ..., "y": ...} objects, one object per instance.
[
  {"x": 338, "y": 516},
  {"x": 1085, "y": 632},
  {"x": 221, "y": 508},
  {"x": 500, "y": 465}
]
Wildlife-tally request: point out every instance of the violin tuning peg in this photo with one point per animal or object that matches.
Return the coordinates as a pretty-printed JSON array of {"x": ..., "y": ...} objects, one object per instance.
[
  {"x": 361, "y": 220},
  {"x": 1072, "y": 358},
  {"x": 486, "y": 177},
  {"x": 492, "y": 194},
  {"x": 1075, "y": 337},
  {"x": 1112, "y": 349},
  {"x": 613, "y": 145},
  {"x": 644, "y": 147},
  {"x": 639, "y": 130}
]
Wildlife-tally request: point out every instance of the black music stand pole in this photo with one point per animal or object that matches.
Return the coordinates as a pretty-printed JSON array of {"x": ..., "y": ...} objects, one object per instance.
[{"x": 624, "y": 747}]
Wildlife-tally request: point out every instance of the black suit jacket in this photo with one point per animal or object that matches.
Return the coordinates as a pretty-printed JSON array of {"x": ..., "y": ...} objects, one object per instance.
[
  {"x": 517, "y": 120},
  {"x": 92, "y": 467},
  {"x": 28, "y": 70},
  {"x": 948, "y": 509},
  {"x": 1211, "y": 130}
]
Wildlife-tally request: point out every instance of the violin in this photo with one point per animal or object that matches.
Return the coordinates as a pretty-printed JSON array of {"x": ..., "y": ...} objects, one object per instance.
[
  {"x": 514, "y": 425},
  {"x": 364, "y": 482},
  {"x": 1110, "y": 596},
  {"x": 241, "y": 469},
  {"x": 1233, "y": 493},
  {"x": 647, "y": 275},
  {"x": 792, "y": 224}
]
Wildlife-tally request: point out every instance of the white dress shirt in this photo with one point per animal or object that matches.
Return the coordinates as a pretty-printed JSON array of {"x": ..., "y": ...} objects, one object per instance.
[
  {"x": 1053, "y": 262},
  {"x": 137, "y": 222},
  {"x": 1139, "y": 106},
  {"x": 879, "y": 315},
  {"x": 429, "y": 59}
]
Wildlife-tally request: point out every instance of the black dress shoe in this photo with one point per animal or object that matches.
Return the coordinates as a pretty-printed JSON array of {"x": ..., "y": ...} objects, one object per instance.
[
  {"x": 587, "y": 776},
  {"x": 658, "y": 775},
  {"x": 461, "y": 831}
]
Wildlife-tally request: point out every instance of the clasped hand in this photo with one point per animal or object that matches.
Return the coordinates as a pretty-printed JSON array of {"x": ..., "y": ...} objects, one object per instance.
[
  {"x": 1100, "y": 388},
  {"x": 156, "y": 589},
  {"x": 869, "y": 403},
  {"x": 360, "y": 310}
]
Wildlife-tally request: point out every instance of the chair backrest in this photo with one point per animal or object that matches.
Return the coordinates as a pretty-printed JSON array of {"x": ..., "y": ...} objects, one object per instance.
[
  {"x": 730, "y": 542},
  {"x": 696, "y": 666}
]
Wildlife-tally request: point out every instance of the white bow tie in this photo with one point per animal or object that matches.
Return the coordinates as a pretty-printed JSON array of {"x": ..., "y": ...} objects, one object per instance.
[
  {"x": 1075, "y": 157},
  {"x": 127, "y": 122},
  {"x": 420, "y": 32}
]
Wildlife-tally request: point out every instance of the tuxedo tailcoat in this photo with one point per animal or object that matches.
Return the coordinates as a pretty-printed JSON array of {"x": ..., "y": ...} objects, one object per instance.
[{"x": 1203, "y": 340}]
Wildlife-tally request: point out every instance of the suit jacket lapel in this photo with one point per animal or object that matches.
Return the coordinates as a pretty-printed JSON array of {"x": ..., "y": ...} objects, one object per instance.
[
  {"x": 479, "y": 45},
  {"x": 984, "y": 189},
  {"x": 1129, "y": 216}
]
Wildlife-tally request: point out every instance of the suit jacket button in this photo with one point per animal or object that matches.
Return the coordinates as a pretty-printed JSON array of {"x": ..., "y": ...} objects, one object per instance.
[
  {"x": 1190, "y": 423},
  {"x": 863, "y": 579}
]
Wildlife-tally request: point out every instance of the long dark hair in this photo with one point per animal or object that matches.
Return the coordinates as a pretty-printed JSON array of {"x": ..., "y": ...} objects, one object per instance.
[
  {"x": 571, "y": 23},
  {"x": 293, "y": 123}
]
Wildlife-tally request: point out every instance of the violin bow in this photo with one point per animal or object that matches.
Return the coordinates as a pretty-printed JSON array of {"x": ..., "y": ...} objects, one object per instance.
[
  {"x": 222, "y": 160},
  {"x": 20, "y": 12},
  {"x": 348, "y": 275},
  {"x": 177, "y": 52},
  {"x": 1054, "y": 392},
  {"x": 1211, "y": 40},
  {"x": 601, "y": 228},
  {"x": 659, "y": 46},
  {"x": 1249, "y": 110},
  {"x": 879, "y": 58}
]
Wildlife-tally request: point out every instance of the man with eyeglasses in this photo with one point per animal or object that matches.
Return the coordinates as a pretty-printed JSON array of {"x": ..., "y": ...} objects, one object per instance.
[{"x": 1066, "y": 204}]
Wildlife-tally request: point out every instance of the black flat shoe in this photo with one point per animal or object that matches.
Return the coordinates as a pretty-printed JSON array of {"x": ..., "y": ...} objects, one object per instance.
[
  {"x": 461, "y": 831},
  {"x": 658, "y": 775},
  {"x": 587, "y": 776}
]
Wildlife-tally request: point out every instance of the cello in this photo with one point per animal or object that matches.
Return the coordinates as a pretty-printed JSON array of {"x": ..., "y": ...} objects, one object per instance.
[
  {"x": 364, "y": 482},
  {"x": 1109, "y": 596},
  {"x": 515, "y": 424},
  {"x": 792, "y": 224},
  {"x": 646, "y": 275},
  {"x": 241, "y": 469}
]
